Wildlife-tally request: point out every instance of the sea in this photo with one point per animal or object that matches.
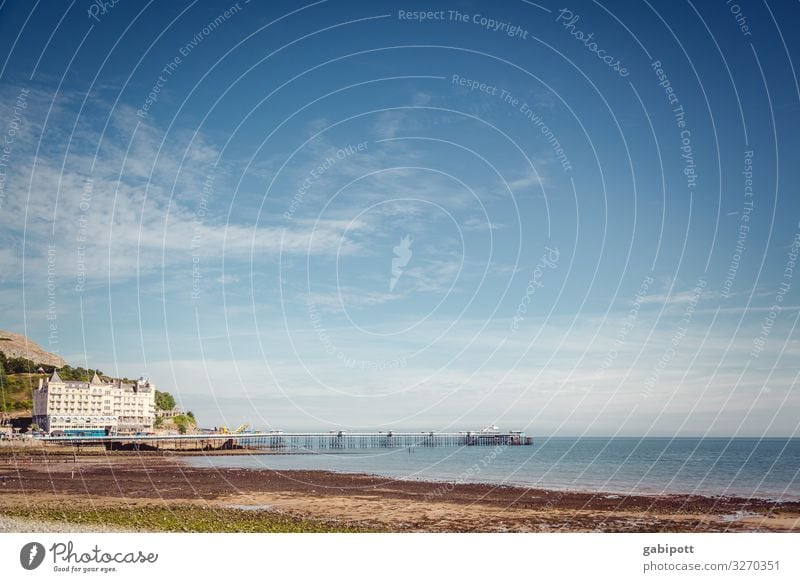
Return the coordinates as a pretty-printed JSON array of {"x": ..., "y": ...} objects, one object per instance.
[{"x": 765, "y": 468}]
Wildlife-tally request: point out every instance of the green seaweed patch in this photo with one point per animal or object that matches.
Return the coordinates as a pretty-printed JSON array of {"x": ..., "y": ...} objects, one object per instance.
[{"x": 186, "y": 519}]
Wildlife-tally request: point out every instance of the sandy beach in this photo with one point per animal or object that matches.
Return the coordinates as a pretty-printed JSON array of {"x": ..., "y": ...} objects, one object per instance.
[{"x": 62, "y": 490}]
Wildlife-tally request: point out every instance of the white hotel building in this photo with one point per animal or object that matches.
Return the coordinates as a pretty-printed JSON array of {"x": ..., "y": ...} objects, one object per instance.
[{"x": 111, "y": 408}]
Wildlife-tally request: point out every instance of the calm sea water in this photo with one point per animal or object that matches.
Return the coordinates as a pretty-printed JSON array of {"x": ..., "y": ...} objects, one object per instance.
[{"x": 765, "y": 468}]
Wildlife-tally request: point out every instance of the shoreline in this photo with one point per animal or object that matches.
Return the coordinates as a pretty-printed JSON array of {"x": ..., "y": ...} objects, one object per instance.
[
  {"x": 117, "y": 490},
  {"x": 191, "y": 459},
  {"x": 519, "y": 485}
]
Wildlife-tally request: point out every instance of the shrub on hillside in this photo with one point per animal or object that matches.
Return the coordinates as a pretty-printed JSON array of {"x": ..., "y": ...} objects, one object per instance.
[{"x": 164, "y": 400}]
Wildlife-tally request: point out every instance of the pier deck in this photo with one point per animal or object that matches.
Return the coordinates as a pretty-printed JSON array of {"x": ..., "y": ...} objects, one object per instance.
[{"x": 301, "y": 441}]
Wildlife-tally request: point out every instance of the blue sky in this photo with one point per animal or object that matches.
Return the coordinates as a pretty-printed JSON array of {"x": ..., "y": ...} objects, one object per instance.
[{"x": 599, "y": 210}]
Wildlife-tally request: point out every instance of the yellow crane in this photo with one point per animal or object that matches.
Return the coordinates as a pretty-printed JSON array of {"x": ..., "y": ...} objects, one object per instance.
[{"x": 239, "y": 429}]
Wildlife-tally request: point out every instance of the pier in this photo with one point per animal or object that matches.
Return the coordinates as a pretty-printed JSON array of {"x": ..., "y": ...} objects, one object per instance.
[{"x": 300, "y": 441}]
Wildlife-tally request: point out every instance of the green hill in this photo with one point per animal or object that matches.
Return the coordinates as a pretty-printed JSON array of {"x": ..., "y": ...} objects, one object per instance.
[{"x": 19, "y": 375}]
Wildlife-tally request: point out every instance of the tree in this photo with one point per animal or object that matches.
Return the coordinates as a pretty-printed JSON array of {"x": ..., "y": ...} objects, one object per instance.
[
  {"x": 78, "y": 374},
  {"x": 19, "y": 366},
  {"x": 182, "y": 422},
  {"x": 35, "y": 427},
  {"x": 158, "y": 422},
  {"x": 68, "y": 373},
  {"x": 164, "y": 400}
]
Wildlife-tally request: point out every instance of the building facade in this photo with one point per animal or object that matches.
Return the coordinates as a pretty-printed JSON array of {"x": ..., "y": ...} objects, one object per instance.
[
  {"x": 169, "y": 413},
  {"x": 94, "y": 407}
]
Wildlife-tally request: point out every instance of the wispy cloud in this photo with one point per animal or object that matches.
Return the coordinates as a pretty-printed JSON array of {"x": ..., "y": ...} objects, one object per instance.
[{"x": 476, "y": 224}]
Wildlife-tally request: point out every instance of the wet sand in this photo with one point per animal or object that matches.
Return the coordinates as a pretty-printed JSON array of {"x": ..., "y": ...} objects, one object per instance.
[{"x": 143, "y": 480}]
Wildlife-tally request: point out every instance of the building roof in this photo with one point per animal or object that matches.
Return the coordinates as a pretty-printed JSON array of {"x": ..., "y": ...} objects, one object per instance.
[
  {"x": 55, "y": 377},
  {"x": 96, "y": 379}
]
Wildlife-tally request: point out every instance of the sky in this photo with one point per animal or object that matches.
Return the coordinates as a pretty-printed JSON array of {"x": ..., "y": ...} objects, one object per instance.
[{"x": 571, "y": 219}]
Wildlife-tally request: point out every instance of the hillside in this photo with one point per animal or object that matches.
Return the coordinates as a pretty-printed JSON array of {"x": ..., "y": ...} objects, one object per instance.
[
  {"x": 15, "y": 345},
  {"x": 19, "y": 359},
  {"x": 16, "y": 392}
]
